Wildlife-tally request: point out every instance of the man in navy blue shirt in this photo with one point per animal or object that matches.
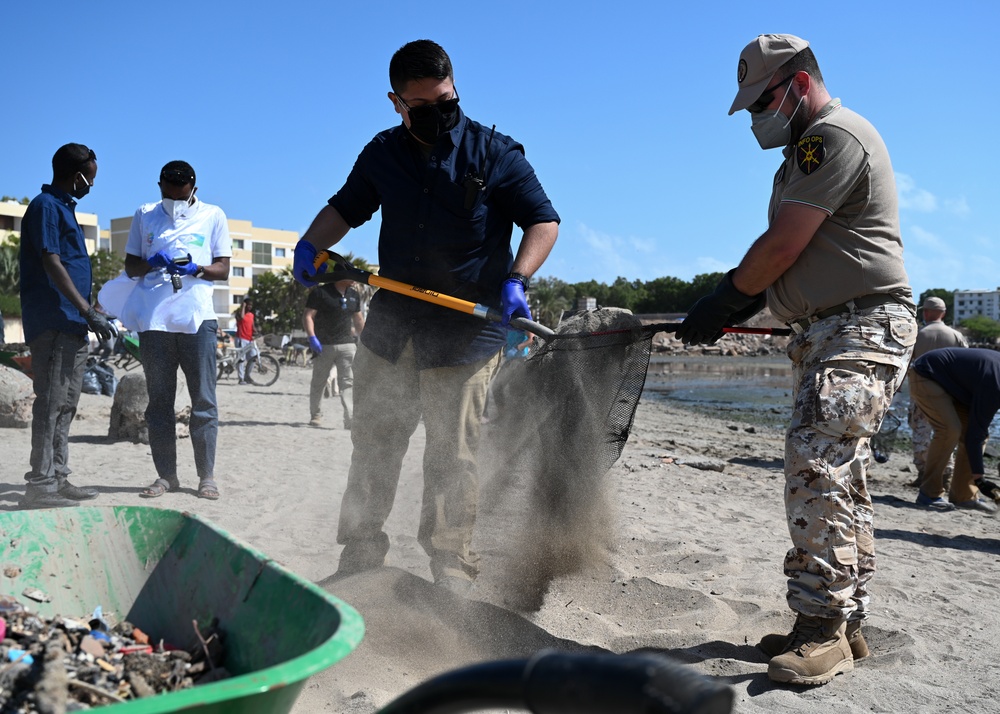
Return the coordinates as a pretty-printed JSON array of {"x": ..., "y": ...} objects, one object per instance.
[
  {"x": 450, "y": 191},
  {"x": 56, "y": 313},
  {"x": 959, "y": 391}
]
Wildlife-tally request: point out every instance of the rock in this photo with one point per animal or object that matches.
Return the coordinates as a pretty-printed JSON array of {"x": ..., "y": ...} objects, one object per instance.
[
  {"x": 703, "y": 464},
  {"x": 17, "y": 394},
  {"x": 128, "y": 412}
]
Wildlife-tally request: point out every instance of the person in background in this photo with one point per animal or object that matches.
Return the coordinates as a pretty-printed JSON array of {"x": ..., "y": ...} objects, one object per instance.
[
  {"x": 830, "y": 265},
  {"x": 450, "y": 191},
  {"x": 246, "y": 331},
  {"x": 958, "y": 389},
  {"x": 933, "y": 335},
  {"x": 519, "y": 343},
  {"x": 55, "y": 298},
  {"x": 178, "y": 246},
  {"x": 332, "y": 319}
]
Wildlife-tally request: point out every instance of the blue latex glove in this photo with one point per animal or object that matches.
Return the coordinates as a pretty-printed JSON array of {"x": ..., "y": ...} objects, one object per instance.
[
  {"x": 512, "y": 301},
  {"x": 188, "y": 268},
  {"x": 315, "y": 344},
  {"x": 159, "y": 260},
  {"x": 303, "y": 267}
]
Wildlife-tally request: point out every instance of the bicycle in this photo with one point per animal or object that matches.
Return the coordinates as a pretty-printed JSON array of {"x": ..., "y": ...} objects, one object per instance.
[{"x": 261, "y": 370}]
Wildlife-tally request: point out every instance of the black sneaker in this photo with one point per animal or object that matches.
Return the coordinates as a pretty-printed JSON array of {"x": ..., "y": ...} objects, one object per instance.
[
  {"x": 43, "y": 499},
  {"x": 76, "y": 493}
]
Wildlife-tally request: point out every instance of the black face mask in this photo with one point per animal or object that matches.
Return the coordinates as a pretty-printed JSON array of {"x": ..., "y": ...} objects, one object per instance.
[
  {"x": 430, "y": 121},
  {"x": 79, "y": 191}
]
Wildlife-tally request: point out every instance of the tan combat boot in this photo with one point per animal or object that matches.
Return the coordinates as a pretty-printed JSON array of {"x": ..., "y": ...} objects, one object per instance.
[
  {"x": 817, "y": 650},
  {"x": 774, "y": 645}
]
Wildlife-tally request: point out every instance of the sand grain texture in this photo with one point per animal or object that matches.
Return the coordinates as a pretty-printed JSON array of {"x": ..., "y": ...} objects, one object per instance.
[{"x": 693, "y": 570}]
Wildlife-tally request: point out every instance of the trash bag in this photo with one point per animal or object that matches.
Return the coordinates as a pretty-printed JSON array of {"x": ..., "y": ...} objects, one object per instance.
[
  {"x": 91, "y": 385},
  {"x": 99, "y": 378}
]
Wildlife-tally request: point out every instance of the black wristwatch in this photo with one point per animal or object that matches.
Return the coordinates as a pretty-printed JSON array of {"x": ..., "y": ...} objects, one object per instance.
[
  {"x": 518, "y": 276},
  {"x": 200, "y": 273}
]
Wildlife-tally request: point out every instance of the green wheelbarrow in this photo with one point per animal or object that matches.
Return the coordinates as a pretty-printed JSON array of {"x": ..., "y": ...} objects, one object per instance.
[{"x": 160, "y": 569}]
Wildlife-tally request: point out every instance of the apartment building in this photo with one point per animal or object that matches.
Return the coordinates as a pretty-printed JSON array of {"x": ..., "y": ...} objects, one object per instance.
[
  {"x": 969, "y": 303},
  {"x": 11, "y": 213},
  {"x": 255, "y": 251}
]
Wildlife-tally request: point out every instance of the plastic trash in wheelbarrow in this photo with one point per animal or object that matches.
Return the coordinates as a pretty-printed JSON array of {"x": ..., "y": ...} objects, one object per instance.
[{"x": 160, "y": 569}]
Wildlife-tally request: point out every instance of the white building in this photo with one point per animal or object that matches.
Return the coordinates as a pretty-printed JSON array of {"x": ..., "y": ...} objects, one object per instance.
[
  {"x": 11, "y": 213},
  {"x": 969, "y": 303}
]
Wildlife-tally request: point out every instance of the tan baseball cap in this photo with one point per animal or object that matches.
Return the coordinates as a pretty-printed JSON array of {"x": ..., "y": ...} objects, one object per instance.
[
  {"x": 934, "y": 303},
  {"x": 758, "y": 62}
]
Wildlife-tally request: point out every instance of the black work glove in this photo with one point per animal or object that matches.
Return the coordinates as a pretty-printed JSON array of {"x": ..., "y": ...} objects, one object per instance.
[
  {"x": 989, "y": 489},
  {"x": 725, "y": 307},
  {"x": 101, "y": 324}
]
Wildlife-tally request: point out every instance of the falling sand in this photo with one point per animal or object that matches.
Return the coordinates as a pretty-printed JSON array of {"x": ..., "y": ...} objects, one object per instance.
[{"x": 556, "y": 424}]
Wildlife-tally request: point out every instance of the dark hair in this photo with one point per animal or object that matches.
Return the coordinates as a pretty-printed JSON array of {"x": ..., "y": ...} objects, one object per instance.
[
  {"x": 418, "y": 60},
  {"x": 178, "y": 173},
  {"x": 804, "y": 61},
  {"x": 70, "y": 158}
]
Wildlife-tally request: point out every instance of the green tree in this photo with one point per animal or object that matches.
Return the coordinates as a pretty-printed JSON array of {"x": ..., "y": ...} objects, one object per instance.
[
  {"x": 104, "y": 265},
  {"x": 278, "y": 301},
  {"x": 625, "y": 293},
  {"x": 24, "y": 201},
  {"x": 10, "y": 268},
  {"x": 663, "y": 295},
  {"x": 701, "y": 286},
  {"x": 589, "y": 289},
  {"x": 947, "y": 295},
  {"x": 981, "y": 328},
  {"x": 548, "y": 300}
]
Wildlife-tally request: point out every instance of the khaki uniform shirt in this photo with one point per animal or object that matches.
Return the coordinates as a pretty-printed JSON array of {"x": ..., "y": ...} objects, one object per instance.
[
  {"x": 934, "y": 336},
  {"x": 841, "y": 166}
]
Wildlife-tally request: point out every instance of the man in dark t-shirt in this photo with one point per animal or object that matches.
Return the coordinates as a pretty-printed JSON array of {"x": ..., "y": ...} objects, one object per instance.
[
  {"x": 959, "y": 391},
  {"x": 333, "y": 320}
]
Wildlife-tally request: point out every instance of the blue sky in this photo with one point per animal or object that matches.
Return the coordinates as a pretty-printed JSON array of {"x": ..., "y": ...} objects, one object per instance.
[{"x": 621, "y": 108}]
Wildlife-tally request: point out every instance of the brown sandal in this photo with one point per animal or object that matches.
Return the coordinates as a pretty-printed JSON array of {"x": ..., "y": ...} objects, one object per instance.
[
  {"x": 208, "y": 489},
  {"x": 159, "y": 487}
]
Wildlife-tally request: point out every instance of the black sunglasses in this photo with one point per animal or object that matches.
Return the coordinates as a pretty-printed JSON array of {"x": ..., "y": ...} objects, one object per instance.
[
  {"x": 768, "y": 96},
  {"x": 443, "y": 105},
  {"x": 91, "y": 156},
  {"x": 177, "y": 177}
]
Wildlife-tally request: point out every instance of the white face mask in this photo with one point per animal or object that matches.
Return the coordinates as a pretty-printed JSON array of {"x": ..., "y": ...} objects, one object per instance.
[
  {"x": 179, "y": 208},
  {"x": 772, "y": 130}
]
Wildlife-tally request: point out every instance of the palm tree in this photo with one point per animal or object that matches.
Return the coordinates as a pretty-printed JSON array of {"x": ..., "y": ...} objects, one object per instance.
[{"x": 10, "y": 269}]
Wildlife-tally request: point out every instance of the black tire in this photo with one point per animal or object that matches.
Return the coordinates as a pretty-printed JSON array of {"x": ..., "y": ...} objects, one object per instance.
[{"x": 263, "y": 371}]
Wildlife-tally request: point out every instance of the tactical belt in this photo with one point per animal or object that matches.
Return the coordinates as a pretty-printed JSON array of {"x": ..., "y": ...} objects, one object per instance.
[{"x": 860, "y": 303}]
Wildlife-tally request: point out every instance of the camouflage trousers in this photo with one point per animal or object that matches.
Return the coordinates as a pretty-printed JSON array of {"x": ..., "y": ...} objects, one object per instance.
[
  {"x": 846, "y": 369},
  {"x": 923, "y": 432}
]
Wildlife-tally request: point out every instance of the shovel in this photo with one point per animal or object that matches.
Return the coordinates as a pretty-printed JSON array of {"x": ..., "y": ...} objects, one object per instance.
[{"x": 343, "y": 270}]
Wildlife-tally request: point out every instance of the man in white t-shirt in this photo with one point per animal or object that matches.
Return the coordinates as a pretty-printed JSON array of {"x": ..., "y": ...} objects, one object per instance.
[{"x": 177, "y": 247}]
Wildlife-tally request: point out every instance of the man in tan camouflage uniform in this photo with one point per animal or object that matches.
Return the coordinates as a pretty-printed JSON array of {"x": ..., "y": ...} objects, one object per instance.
[
  {"x": 932, "y": 336},
  {"x": 830, "y": 265}
]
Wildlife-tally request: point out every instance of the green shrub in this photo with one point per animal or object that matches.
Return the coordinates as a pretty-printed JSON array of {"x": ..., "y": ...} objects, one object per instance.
[{"x": 10, "y": 305}]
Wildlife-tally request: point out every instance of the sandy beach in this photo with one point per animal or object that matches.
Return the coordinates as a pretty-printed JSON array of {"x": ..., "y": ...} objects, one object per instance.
[{"x": 696, "y": 530}]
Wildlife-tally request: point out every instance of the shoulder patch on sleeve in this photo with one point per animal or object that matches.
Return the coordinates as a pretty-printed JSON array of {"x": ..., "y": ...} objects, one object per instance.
[{"x": 809, "y": 153}]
